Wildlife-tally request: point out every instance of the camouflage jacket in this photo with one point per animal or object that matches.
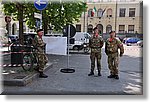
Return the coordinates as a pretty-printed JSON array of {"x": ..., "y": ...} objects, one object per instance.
[
  {"x": 112, "y": 46},
  {"x": 96, "y": 43},
  {"x": 39, "y": 44}
]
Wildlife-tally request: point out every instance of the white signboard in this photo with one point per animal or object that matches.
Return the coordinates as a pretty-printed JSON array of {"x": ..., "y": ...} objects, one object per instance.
[
  {"x": 56, "y": 45},
  {"x": 37, "y": 15}
]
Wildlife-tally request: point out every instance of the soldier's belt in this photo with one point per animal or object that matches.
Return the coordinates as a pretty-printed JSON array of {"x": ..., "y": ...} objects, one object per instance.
[
  {"x": 95, "y": 47},
  {"x": 40, "y": 46},
  {"x": 112, "y": 52}
]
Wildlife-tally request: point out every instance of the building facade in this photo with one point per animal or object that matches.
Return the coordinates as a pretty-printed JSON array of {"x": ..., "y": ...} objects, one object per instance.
[{"x": 125, "y": 16}]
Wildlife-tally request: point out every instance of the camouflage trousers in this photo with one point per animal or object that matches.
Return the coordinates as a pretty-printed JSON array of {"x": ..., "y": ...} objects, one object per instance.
[
  {"x": 42, "y": 60},
  {"x": 97, "y": 56},
  {"x": 113, "y": 62}
]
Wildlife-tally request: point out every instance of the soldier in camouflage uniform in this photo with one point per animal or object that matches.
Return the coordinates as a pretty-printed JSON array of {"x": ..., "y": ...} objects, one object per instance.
[
  {"x": 111, "y": 49},
  {"x": 95, "y": 43},
  {"x": 42, "y": 58}
]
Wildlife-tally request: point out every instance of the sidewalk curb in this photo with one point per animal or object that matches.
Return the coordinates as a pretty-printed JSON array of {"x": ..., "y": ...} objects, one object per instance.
[{"x": 26, "y": 80}]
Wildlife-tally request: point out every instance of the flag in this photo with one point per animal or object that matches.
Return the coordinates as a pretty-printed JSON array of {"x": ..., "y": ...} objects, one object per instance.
[
  {"x": 93, "y": 11},
  {"x": 103, "y": 11}
]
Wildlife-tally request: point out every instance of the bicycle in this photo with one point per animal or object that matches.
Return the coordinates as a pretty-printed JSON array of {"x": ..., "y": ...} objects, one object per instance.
[{"x": 29, "y": 59}]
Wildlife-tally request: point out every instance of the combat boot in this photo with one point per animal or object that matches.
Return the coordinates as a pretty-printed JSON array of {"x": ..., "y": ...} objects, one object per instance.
[
  {"x": 99, "y": 73},
  {"x": 116, "y": 77},
  {"x": 42, "y": 75},
  {"x": 111, "y": 76},
  {"x": 91, "y": 73}
]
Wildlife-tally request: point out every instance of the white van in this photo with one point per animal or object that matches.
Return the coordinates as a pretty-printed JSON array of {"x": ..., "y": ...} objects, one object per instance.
[{"x": 82, "y": 37}]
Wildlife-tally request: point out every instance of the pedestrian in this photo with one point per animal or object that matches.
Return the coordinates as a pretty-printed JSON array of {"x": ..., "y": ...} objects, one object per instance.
[
  {"x": 40, "y": 53},
  {"x": 111, "y": 49},
  {"x": 95, "y": 43}
]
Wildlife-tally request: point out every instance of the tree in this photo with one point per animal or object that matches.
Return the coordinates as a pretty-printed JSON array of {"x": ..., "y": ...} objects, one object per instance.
[
  {"x": 53, "y": 14},
  {"x": 17, "y": 10},
  {"x": 71, "y": 12}
]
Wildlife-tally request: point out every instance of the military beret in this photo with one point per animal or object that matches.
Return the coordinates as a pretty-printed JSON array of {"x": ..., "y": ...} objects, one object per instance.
[
  {"x": 111, "y": 32},
  {"x": 95, "y": 28},
  {"x": 39, "y": 30}
]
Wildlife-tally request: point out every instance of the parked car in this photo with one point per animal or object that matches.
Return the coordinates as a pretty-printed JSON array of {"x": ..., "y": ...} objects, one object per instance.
[
  {"x": 13, "y": 38},
  {"x": 140, "y": 43},
  {"x": 131, "y": 40}
]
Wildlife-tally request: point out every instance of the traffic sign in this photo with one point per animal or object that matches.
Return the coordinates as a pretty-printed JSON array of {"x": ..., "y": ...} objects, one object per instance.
[
  {"x": 38, "y": 15},
  {"x": 40, "y": 4},
  {"x": 7, "y": 19},
  {"x": 72, "y": 31},
  {"x": 38, "y": 23}
]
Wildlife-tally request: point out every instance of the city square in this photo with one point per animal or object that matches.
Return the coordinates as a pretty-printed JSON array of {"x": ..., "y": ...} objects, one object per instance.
[{"x": 65, "y": 50}]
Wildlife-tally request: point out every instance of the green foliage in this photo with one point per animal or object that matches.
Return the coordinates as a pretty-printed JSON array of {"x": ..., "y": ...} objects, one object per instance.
[{"x": 53, "y": 14}]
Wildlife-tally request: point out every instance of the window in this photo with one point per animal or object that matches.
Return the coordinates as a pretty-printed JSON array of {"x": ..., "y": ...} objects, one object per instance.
[
  {"x": 122, "y": 12},
  {"x": 108, "y": 28},
  {"x": 131, "y": 12},
  {"x": 109, "y": 12},
  {"x": 90, "y": 29},
  {"x": 121, "y": 28},
  {"x": 90, "y": 1},
  {"x": 100, "y": 13},
  {"x": 131, "y": 29},
  {"x": 78, "y": 27},
  {"x": 100, "y": 28},
  {"x": 123, "y": 0},
  {"x": 14, "y": 28},
  {"x": 90, "y": 14},
  {"x": 133, "y": 0},
  {"x": 99, "y": 0}
]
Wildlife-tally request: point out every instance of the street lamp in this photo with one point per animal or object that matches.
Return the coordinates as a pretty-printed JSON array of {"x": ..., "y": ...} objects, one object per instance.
[
  {"x": 61, "y": 12},
  {"x": 62, "y": 8}
]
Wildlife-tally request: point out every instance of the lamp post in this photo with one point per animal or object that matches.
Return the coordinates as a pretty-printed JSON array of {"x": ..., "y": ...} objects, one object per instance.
[
  {"x": 68, "y": 29},
  {"x": 40, "y": 5},
  {"x": 41, "y": 20},
  {"x": 61, "y": 11}
]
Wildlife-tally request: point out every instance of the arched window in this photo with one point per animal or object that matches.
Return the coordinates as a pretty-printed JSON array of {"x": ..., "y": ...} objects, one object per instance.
[
  {"x": 100, "y": 13},
  {"x": 100, "y": 28},
  {"x": 109, "y": 12},
  {"x": 90, "y": 14},
  {"x": 14, "y": 29},
  {"x": 108, "y": 28},
  {"x": 90, "y": 29}
]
